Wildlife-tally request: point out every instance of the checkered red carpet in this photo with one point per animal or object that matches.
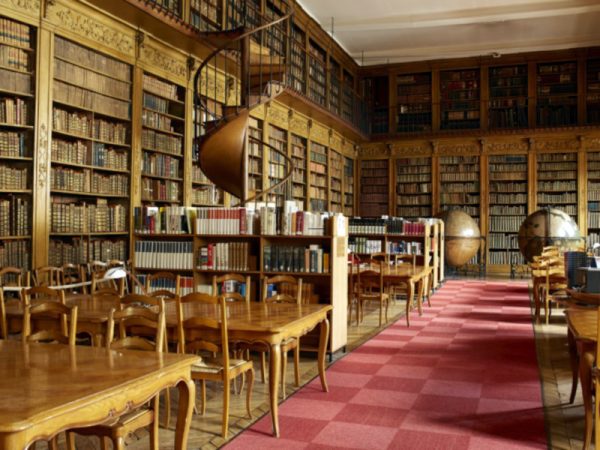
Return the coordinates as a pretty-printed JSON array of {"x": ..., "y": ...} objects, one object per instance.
[{"x": 463, "y": 376}]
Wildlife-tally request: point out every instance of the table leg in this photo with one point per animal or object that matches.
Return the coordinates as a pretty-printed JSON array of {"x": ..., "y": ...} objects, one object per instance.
[
  {"x": 274, "y": 371},
  {"x": 574, "y": 364},
  {"x": 187, "y": 395},
  {"x": 586, "y": 362},
  {"x": 409, "y": 299},
  {"x": 323, "y": 340},
  {"x": 420, "y": 293}
]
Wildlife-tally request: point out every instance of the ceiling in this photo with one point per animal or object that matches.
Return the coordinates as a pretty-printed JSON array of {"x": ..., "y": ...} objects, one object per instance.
[{"x": 390, "y": 31}]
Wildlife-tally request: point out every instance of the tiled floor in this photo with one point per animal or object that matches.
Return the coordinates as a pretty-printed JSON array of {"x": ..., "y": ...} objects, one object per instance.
[{"x": 564, "y": 420}]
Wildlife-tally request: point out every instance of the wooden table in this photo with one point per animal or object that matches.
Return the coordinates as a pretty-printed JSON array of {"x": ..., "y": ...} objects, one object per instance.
[
  {"x": 267, "y": 323},
  {"x": 48, "y": 388}
]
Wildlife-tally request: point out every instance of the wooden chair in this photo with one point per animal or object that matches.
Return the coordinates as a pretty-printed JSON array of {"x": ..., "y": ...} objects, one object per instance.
[
  {"x": 192, "y": 339},
  {"x": 14, "y": 277},
  {"x": 99, "y": 282},
  {"x": 42, "y": 293},
  {"x": 381, "y": 256},
  {"x": 47, "y": 276},
  {"x": 164, "y": 281},
  {"x": 64, "y": 331},
  {"x": 72, "y": 274},
  {"x": 353, "y": 303},
  {"x": 126, "y": 321},
  {"x": 554, "y": 286},
  {"x": 370, "y": 288},
  {"x": 220, "y": 287},
  {"x": 97, "y": 266}
]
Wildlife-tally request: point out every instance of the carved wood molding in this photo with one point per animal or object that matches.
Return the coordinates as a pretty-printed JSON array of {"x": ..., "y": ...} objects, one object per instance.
[
  {"x": 463, "y": 148},
  {"x": 319, "y": 133},
  {"x": 156, "y": 58},
  {"x": 591, "y": 143},
  {"x": 27, "y": 6},
  {"x": 411, "y": 150},
  {"x": 554, "y": 145},
  {"x": 298, "y": 125},
  {"x": 42, "y": 156},
  {"x": 504, "y": 147},
  {"x": 277, "y": 115},
  {"x": 377, "y": 150}
]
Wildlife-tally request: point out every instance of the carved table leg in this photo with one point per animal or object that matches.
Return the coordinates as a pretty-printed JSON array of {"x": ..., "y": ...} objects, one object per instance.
[
  {"x": 574, "y": 364},
  {"x": 274, "y": 372},
  {"x": 409, "y": 299},
  {"x": 187, "y": 394},
  {"x": 586, "y": 362},
  {"x": 323, "y": 340}
]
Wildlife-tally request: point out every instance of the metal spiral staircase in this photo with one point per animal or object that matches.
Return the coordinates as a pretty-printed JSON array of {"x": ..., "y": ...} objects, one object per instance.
[{"x": 247, "y": 68}]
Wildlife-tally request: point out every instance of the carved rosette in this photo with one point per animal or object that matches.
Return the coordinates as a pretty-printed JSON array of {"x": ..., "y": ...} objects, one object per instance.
[
  {"x": 42, "y": 156},
  {"x": 158, "y": 59},
  {"x": 90, "y": 28}
]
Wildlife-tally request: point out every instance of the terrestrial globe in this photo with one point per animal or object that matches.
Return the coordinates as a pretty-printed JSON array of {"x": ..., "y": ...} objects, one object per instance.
[{"x": 461, "y": 237}]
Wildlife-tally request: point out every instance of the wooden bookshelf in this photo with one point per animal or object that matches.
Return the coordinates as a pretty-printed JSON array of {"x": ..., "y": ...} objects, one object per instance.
[
  {"x": 277, "y": 164},
  {"x": 335, "y": 85},
  {"x": 413, "y": 187},
  {"x": 592, "y": 99},
  {"x": 413, "y": 102},
  {"x": 460, "y": 94},
  {"x": 374, "y": 189},
  {"x": 90, "y": 156},
  {"x": 459, "y": 184},
  {"x": 348, "y": 186},
  {"x": 317, "y": 73},
  {"x": 318, "y": 177},
  {"x": 557, "y": 94},
  {"x": 298, "y": 59},
  {"x": 17, "y": 119},
  {"x": 171, "y": 6},
  {"x": 508, "y": 97},
  {"x": 299, "y": 177},
  {"x": 255, "y": 157},
  {"x": 347, "y": 96},
  {"x": 557, "y": 182},
  {"x": 206, "y": 15},
  {"x": 204, "y": 192},
  {"x": 507, "y": 208},
  {"x": 376, "y": 91},
  {"x": 163, "y": 136},
  {"x": 336, "y": 173},
  {"x": 593, "y": 197}
]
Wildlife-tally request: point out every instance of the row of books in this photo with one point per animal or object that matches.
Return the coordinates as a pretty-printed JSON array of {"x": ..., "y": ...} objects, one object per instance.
[
  {"x": 502, "y": 240},
  {"x": 13, "y": 177},
  {"x": 155, "y": 120},
  {"x": 160, "y": 190},
  {"x": 508, "y": 176},
  {"x": 567, "y": 197},
  {"x": 82, "y": 124},
  {"x": 88, "y": 218},
  {"x": 507, "y": 224},
  {"x": 232, "y": 256},
  {"x": 186, "y": 284},
  {"x": 473, "y": 211},
  {"x": 14, "y": 216},
  {"x": 514, "y": 209},
  {"x": 177, "y": 255},
  {"x": 414, "y": 211},
  {"x": 557, "y": 186},
  {"x": 413, "y": 199},
  {"x": 14, "y": 58},
  {"x": 198, "y": 176},
  {"x": 12, "y": 144},
  {"x": 293, "y": 258},
  {"x": 19, "y": 83},
  {"x": 160, "y": 165},
  {"x": 86, "y": 181},
  {"x": 80, "y": 152},
  {"x": 157, "y": 104},
  {"x": 80, "y": 251},
  {"x": 151, "y": 140},
  {"x": 76, "y": 96},
  {"x": 15, "y": 254},
  {"x": 508, "y": 187},
  {"x": 14, "y": 33},
  {"x": 209, "y": 195},
  {"x": 93, "y": 81},
  {"x": 164, "y": 219},
  {"x": 459, "y": 199},
  {"x": 461, "y": 174},
  {"x": 503, "y": 257},
  {"x": 414, "y": 188},
  {"x": 363, "y": 245},
  {"x": 159, "y": 87},
  {"x": 460, "y": 187},
  {"x": 14, "y": 111}
]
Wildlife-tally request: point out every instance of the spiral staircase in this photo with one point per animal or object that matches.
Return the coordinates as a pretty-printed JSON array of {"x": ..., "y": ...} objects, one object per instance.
[{"x": 247, "y": 68}]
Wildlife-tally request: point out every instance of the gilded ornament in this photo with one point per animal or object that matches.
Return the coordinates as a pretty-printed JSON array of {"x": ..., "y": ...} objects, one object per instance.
[
  {"x": 29, "y": 5},
  {"x": 570, "y": 144},
  {"x": 164, "y": 62},
  {"x": 42, "y": 155}
]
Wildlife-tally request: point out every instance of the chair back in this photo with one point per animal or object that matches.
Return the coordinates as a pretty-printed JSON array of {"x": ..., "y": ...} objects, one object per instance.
[
  {"x": 288, "y": 289},
  {"x": 63, "y": 330},
  {"x": 72, "y": 274},
  {"x": 163, "y": 294},
  {"x": 100, "y": 283},
  {"x": 194, "y": 332},
  {"x": 168, "y": 281},
  {"x": 380, "y": 256},
  {"x": 97, "y": 266},
  {"x": 370, "y": 279},
  {"x": 227, "y": 282},
  {"x": 14, "y": 276},
  {"x": 42, "y": 293},
  {"x": 47, "y": 276},
  {"x": 129, "y": 320},
  {"x": 401, "y": 258}
]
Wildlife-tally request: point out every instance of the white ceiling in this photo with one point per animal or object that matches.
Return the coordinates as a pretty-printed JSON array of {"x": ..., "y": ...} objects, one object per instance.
[{"x": 389, "y": 31}]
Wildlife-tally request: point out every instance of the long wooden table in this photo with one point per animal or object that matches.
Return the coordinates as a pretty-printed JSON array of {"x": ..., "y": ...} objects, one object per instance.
[
  {"x": 269, "y": 324},
  {"x": 47, "y": 388}
]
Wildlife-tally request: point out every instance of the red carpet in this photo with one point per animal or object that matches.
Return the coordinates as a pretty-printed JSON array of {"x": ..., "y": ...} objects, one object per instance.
[{"x": 463, "y": 376}]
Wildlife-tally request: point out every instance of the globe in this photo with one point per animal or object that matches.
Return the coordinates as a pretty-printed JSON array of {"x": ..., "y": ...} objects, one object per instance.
[
  {"x": 548, "y": 227},
  {"x": 461, "y": 236}
]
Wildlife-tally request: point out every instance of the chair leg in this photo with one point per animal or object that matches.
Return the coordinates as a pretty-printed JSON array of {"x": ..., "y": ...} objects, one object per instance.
[
  {"x": 70, "y": 440},
  {"x": 53, "y": 443},
  {"x": 387, "y": 305},
  {"x": 263, "y": 365},
  {"x": 249, "y": 392},
  {"x": 283, "y": 373},
  {"x": 153, "y": 429},
  {"x": 103, "y": 443},
  {"x": 118, "y": 443},
  {"x": 297, "y": 364},
  {"x": 203, "y": 392},
  {"x": 167, "y": 408},
  {"x": 226, "y": 395}
]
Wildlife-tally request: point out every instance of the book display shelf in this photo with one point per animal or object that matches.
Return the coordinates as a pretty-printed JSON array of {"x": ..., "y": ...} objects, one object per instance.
[
  {"x": 557, "y": 182},
  {"x": 507, "y": 208},
  {"x": 318, "y": 177},
  {"x": 17, "y": 117},
  {"x": 374, "y": 189},
  {"x": 317, "y": 74},
  {"x": 413, "y": 187},
  {"x": 336, "y": 170},
  {"x": 255, "y": 156},
  {"x": 459, "y": 93},
  {"x": 163, "y": 126},
  {"x": 593, "y": 197},
  {"x": 557, "y": 94},
  {"x": 459, "y": 184},
  {"x": 277, "y": 163},
  {"x": 508, "y": 96},
  {"x": 348, "y": 186},
  {"x": 413, "y": 102},
  {"x": 299, "y": 177},
  {"x": 592, "y": 99},
  {"x": 90, "y": 156}
]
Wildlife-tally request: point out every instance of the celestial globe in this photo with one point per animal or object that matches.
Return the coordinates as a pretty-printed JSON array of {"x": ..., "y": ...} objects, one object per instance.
[
  {"x": 461, "y": 237},
  {"x": 548, "y": 227}
]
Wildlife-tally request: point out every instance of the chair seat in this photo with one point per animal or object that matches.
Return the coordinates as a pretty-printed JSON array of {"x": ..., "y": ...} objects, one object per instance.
[
  {"x": 121, "y": 426},
  {"x": 374, "y": 296},
  {"x": 213, "y": 365}
]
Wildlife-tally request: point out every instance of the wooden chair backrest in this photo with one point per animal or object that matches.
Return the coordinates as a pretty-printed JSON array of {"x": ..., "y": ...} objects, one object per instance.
[
  {"x": 380, "y": 256},
  {"x": 66, "y": 317},
  {"x": 47, "y": 276},
  {"x": 14, "y": 276},
  {"x": 401, "y": 258},
  {"x": 232, "y": 277},
  {"x": 288, "y": 288},
  {"x": 42, "y": 293},
  {"x": 71, "y": 274},
  {"x": 116, "y": 285},
  {"x": 168, "y": 278},
  {"x": 132, "y": 318},
  {"x": 370, "y": 279}
]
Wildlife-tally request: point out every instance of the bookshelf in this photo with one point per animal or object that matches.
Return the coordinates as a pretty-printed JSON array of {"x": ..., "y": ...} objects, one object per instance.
[
  {"x": 90, "y": 156},
  {"x": 348, "y": 186},
  {"x": 413, "y": 187},
  {"x": 413, "y": 102},
  {"x": 255, "y": 156},
  {"x": 317, "y": 75},
  {"x": 163, "y": 127},
  {"x": 557, "y": 94},
  {"x": 374, "y": 189},
  {"x": 335, "y": 85},
  {"x": 171, "y": 6},
  {"x": 299, "y": 176},
  {"x": 206, "y": 15},
  {"x": 557, "y": 182},
  {"x": 508, "y": 96},
  {"x": 347, "y": 96},
  {"x": 336, "y": 171},
  {"x": 17, "y": 118},
  {"x": 376, "y": 93},
  {"x": 507, "y": 207},
  {"x": 593, "y": 197},
  {"x": 204, "y": 192},
  {"x": 459, "y": 184},
  {"x": 459, "y": 93},
  {"x": 277, "y": 164},
  {"x": 592, "y": 99},
  {"x": 318, "y": 177},
  {"x": 298, "y": 59}
]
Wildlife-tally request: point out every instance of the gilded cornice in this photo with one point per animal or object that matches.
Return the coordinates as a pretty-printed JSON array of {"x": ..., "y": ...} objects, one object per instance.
[
  {"x": 277, "y": 115},
  {"x": 411, "y": 150},
  {"x": 42, "y": 156},
  {"x": 504, "y": 147},
  {"x": 335, "y": 142},
  {"x": 377, "y": 150},
  {"x": 551, "y": 145},
  {"x": 591, "y": 143},
  {"x": 30, "y": 6},
  {"x": 464, "y": 148}
]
